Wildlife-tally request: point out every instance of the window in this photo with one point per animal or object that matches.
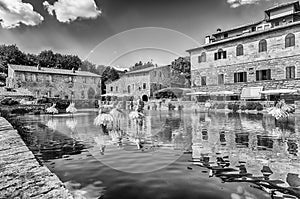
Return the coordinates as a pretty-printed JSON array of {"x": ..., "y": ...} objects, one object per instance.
[
  {"x": 202, "y": 57},
  {"x": 128, "y": 88},
  {"x": 221, "y": 79},
  {"x": 290, "y": 72},
  {"x": 262, "y": 46},
  {"x": 276, "y": 23},
  {"x": 144, "y": 85},
  {"x": 220, "y": 54},
  {"x": 203, "y": 80},
  {"x": 263, "y": 75},
  {"x": 84, "y": 79},
  {"x": 154, "y": 74},
  {"x": 239, "y": 50},
  {"x": 82, "y": 95},
  {"x": 225, "y": 35},
  {"x": 160, "y": 74},
  {"x": 290, "y": 40},
  {"x": 253, "y": 29},
  {"x": 240, "y": 77},
  {"x": 117, "y": 88}
]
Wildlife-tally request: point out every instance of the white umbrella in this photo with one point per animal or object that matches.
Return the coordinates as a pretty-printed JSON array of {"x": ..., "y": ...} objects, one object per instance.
[
  {"x": 52, "y": 109},
  {"x": 103, "y": 119},
  {"x": 71, "y": 108},
  {"x": 279, "y": 91}
]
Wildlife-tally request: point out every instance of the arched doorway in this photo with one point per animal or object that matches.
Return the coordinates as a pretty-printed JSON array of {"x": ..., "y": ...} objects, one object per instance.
[{"x": 145, "y": 98}]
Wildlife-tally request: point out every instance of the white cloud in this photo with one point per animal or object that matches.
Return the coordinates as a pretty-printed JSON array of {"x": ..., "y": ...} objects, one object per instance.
[
  {"x": 238, "y": 3},
  {"x": 15, "y": 12},
  {"x": 69, "y": 10}
]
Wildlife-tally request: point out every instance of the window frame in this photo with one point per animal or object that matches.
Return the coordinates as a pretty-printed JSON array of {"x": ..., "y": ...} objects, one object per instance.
[
  {"x": 223, "y": 79},
  {"x": 203, "y": 81},
  {"x": 239, "y": 50},
  {"x": 237, "y": 76},
  {"x": 262, "y": 46},
  {"x": 290, "y": 72},
  {"x": 290, "y": 40},
  {"x": 268, "y": 75}
]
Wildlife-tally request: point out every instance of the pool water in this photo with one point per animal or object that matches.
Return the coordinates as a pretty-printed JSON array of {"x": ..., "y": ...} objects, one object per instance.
[{"x": 171, "y": 154}]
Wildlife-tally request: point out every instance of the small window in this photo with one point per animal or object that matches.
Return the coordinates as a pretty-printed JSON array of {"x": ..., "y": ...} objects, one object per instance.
[
  {"x": 128, "y": 89},
  {"x": 262, "y": 46},
  {"x": 240, "y": 77},
  {"x": 202, "y": 57},
  {"x": 263, "y": 75},
  {"x": 203, "y": 80},
  {"x": 239, "y": 50},
  {"x": 144, "y": 85},
  {"x": 290, "y": 72},
  {"x": 225, "y": 35},
  {"x": 276, "y": 23},
  {"x": 154, "y": 74},
  {"x": 111, "y": 88},
  {"x": 253, "y": 29},
  {"x": 221, "y": 79},
  {"x": 117, "y": 88},
  {"x": 290, "y": 40},
  {"x": 160, "y": 74},
  {"x": 221, "y": 54}
]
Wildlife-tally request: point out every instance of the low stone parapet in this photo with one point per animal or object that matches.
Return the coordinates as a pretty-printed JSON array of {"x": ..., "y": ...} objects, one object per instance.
[{"x": 21, "y": 175}]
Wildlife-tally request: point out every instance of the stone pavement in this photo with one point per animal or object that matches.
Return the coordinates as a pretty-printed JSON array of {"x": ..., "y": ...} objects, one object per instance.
[{"x": 21, "y": 176}]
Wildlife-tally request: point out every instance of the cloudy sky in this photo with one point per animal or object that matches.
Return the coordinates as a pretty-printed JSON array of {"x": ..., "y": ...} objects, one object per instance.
[{"x": 121, "y": 32}]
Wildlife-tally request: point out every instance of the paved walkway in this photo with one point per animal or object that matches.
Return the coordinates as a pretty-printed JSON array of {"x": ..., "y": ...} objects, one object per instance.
[{"x": 21, "y": 176}]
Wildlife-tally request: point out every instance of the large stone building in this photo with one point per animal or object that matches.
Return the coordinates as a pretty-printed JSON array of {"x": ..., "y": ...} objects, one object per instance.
[
  {"x": 144, "y": 81},
  {"x": 263, "y": 55},
  {"x": 51, "y": 82}
]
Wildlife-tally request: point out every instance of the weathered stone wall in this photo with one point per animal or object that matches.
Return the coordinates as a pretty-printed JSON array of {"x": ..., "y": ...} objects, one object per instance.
[
  {"x": 277, "y": 58},
  {"x": 21, "y": 175},
  {"x": 57, "y": 85}
]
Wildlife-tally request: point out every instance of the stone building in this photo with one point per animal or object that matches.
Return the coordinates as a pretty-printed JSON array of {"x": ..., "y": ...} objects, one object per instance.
[
  {"x": 51, "y": 82},
  {"x": 142, "y": 83},
  {"x": 261, "y": 55}
]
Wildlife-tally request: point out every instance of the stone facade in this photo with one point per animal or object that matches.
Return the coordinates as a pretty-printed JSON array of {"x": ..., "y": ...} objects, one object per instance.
[
  {"x": 49, "y": 82},
  {"x": 144, "y": 82},
  {"x": 218, "y": 66}
]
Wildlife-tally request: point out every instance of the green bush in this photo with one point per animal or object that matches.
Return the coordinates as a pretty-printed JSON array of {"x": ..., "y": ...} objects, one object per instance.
[
  {"x": 243, "y": 107},
  {"x": 234, "y": 106},
  {"x": 221, "y": 106},
  {"x": 251, "y": 106},
  {"x": 259, "y": 106}
]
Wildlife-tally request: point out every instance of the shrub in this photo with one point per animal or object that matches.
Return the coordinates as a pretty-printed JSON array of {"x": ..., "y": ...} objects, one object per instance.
[
  {"x": 251, "y": 106},
  {"x": 234, "y": 106},
  {"x": 9, "y": 101},
  {"x": 259, "y": 106},
  {"x": 243, "y": 107},
  {"x": 221, "y": 106}
]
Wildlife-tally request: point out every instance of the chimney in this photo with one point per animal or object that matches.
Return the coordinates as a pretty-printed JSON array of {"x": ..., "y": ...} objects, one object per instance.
[
  {"x": 207, "y": 39},
  {"x": 219, "y": 30}
]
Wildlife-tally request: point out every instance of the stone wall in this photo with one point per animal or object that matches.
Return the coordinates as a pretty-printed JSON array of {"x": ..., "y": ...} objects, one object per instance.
[{"x": 58, "y": 85}]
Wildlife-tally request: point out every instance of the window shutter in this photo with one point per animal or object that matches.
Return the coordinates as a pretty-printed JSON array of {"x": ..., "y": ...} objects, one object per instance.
[
  {"x": 257, "y": 76},
  {"x": 269, "y": 74},
  {"x": 235, "y": 77},
  {"x": 245, "y": 77},
  {"x": 224, "y": 55},
  {"x": 216, "y": 56},
  {"x": 293, "y": 72}
]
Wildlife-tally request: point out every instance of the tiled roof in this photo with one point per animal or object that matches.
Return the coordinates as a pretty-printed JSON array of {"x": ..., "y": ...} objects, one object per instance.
[
  {"x": 238, "y": 27},
  {"x": 245, "y": 35},
  {"x": 144, "y": 70},
  {"x": 33, "y": 69}
]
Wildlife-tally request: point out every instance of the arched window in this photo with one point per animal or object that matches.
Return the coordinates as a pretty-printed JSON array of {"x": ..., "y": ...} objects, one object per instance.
[
  {"x": 290, "y": 40},
  {"x": 239, "y": 50},
  {"x": 221, "y": 54},
  {"x": 128, "y": 88},
  {"x": 202, "y": 58},
  {"x": 262, "y": 46}
]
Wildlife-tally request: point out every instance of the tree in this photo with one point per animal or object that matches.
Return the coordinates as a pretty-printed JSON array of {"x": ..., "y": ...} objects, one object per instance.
[
  {"x": 109, "y": 74},
  {"x": 181, "y": 67},
  {"x": 10, "y": 54},
  {"x": 47, "y": 59}
]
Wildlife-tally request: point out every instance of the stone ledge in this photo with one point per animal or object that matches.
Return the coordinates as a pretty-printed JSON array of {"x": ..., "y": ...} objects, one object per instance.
[{"x": 21, "y": 176}]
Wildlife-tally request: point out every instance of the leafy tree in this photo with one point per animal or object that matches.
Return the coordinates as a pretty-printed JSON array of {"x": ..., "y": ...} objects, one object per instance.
[
  {"x": 109, "y": 74},
  {"x": 10, "y": 54},
  {"x": 47, "y": 59}
]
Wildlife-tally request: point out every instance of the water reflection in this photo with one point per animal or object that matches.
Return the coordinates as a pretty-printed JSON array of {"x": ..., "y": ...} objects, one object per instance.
[{"x": 233, "y": 148}]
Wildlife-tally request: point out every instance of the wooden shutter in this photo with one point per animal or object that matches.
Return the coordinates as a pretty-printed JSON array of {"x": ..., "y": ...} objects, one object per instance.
[
  {"x": 235, "y": 77},
  {"x": 257, "y": 75}
]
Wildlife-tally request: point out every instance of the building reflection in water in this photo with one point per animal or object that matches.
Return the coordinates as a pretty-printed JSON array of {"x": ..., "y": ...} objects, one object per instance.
[{"x": 266, "y": 153}]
